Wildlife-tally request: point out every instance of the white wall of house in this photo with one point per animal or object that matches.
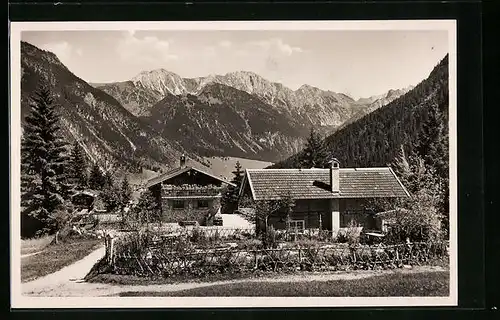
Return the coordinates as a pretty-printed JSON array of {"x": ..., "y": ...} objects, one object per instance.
[{"x": 335, "y": 212}]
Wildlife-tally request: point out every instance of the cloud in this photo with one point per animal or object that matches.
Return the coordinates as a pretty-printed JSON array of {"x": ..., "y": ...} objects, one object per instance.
[
  {"x": 209, "y": 51},
  {"x": 148, "y": 49},
  {"x": 276, "y": 46},
  {"x": 225, "y": 44}
]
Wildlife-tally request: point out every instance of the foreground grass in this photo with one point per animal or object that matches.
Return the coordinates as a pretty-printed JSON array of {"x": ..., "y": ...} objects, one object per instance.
[
  {"x": 394, "y": 284},
  {"x": 126, "y": 280},
  {"x": 55, "y": 257},
  {"x": 29, "y": 246}
]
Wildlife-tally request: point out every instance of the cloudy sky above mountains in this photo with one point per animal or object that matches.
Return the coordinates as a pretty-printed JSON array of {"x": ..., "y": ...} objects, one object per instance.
[{"x": 358, "y": 63}]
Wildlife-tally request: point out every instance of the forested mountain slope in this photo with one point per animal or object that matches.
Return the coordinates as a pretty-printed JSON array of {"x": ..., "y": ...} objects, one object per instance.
[{"x": 375, "y": 139}]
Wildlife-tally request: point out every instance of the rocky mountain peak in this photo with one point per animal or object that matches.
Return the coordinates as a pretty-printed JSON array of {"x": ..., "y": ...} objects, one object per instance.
[{"x": 161, "y": 81}]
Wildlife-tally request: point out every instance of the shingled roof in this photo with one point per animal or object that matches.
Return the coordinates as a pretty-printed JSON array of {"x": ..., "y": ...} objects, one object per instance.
[
  {"x": 268, "y": 184},
  {"x": 177, "y": 171}
]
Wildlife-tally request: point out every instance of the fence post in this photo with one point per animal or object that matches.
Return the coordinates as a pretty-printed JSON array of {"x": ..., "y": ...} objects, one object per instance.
[
  {"x": 112, "y": 251},
  {"x": 106, "y": 246},
  {"x": 109, "y": 243}
]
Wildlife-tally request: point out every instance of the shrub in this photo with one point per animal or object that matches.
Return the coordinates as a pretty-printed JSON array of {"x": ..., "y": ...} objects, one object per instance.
[
  {"x": 421, "y": 222},
  {"x": 351, "y": 234},
  {"x": 215, "y": 237},
  {"x": 270, "y": 237},
  {"x": 199, "y": 236},
  {"x": 250, "y": 244},
  {"x": 308, "y": 243}
]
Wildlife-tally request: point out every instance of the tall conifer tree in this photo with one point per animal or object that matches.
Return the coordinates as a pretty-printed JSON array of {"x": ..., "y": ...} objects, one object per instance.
[
  {"x": 96, "y": 178},
  {"x": 78, "y": 164},
  {"x": 44, "y": 161},
  {"x": 238, "y": 174},
  {"x": 125, "y": 192},
  {"x": 314, "y": 154}
]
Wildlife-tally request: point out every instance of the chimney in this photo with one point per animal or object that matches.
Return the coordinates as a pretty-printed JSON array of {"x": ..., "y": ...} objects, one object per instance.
[
  {"x": 334, "y": 175},
  {"x": 183, "y": 161}
]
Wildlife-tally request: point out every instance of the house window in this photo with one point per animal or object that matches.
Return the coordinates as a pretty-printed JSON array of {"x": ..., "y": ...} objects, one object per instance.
[
  {"x": 296, "y": 225},
  {"x": 202, "y": 204},
  {"x": 178, "y": 204}
]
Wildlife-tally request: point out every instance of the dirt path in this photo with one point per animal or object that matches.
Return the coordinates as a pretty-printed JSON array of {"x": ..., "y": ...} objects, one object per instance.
[
  {"x": 68, "y": 281},
  {"x": 236, "y": 221},
  {"x": 30, "y": 254},
  {"x": 71, "y": 274}
]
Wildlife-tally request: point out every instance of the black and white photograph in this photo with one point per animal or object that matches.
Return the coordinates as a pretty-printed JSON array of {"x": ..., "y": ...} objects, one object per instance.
[{"x": 226, "y": 164}]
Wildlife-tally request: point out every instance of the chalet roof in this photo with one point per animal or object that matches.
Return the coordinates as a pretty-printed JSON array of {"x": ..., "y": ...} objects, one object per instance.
[
  {"x": 86, "y": 193},
  {"x": 268, "y": 184},
  {"x": 180, "y": 170}
]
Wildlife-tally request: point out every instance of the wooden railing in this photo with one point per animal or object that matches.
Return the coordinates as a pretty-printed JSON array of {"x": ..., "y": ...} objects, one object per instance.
[{"x": 189, "y": 190}]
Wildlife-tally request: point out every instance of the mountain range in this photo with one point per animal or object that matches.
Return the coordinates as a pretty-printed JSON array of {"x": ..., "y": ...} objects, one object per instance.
[
  {"x": 151, "y": 119},
  {"x": 308, "y": 105},
  {"x": 161, "y": 97}
]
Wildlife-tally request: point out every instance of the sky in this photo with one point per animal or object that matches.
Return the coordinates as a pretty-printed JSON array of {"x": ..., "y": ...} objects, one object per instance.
[{"x": 357, "y": 63}]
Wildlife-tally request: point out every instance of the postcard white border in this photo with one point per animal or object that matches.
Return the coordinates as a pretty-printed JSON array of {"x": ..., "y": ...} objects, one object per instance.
[{"x": 19, "y": 301}]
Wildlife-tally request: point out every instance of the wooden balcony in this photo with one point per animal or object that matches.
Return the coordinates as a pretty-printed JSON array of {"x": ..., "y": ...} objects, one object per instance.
[{"x": 190, "y": 191}]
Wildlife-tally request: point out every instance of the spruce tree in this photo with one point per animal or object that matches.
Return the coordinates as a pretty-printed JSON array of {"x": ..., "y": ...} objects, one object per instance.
[
  {"x": 432, "y": 143},
  {"x": 432, "y": 147},
  {"x": 110, "y": 193},
  {"x": 402, "y": 167},
  {"x": 230, "y": 197},
  {"x": 238, "y": 174},
  {"x": 109, "y": 181},
  {"x": 314, "y": 154},
  {"x": 125, "y": 192},
  {"x": 78, "y": 166},
  {"x": 97, "y": 180},
  {"x": 45, "y": 183}
]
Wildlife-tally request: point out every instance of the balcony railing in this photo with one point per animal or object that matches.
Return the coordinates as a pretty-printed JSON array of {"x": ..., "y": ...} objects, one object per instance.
[{"x": 190, "y": 191}]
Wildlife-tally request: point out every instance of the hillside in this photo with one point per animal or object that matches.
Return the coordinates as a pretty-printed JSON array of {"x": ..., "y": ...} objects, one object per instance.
[
  {"x": 374, "y": 139},
  {"x": 224, "y": 166},
  {"x": 222, "y": 120},
  {"x": 109, "y": 134}
]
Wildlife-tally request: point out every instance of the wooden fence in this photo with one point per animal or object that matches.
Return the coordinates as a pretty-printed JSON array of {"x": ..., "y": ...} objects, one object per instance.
[{"x": 227, "y": 260}]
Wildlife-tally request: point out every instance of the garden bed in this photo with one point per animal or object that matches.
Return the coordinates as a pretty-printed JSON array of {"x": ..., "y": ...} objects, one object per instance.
[{"x": 199, "y": 255}]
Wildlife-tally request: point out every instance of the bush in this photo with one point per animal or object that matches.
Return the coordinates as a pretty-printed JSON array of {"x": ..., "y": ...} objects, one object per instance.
[
  {"x": 250, "y": 244},
  {"x": 308, "y": 243},
  {"x": 421, "y": 222},
  {"x": 351, "y": 234},
  {"x": 270, "y": 237},
  {"x": 199, "y": 236}
]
